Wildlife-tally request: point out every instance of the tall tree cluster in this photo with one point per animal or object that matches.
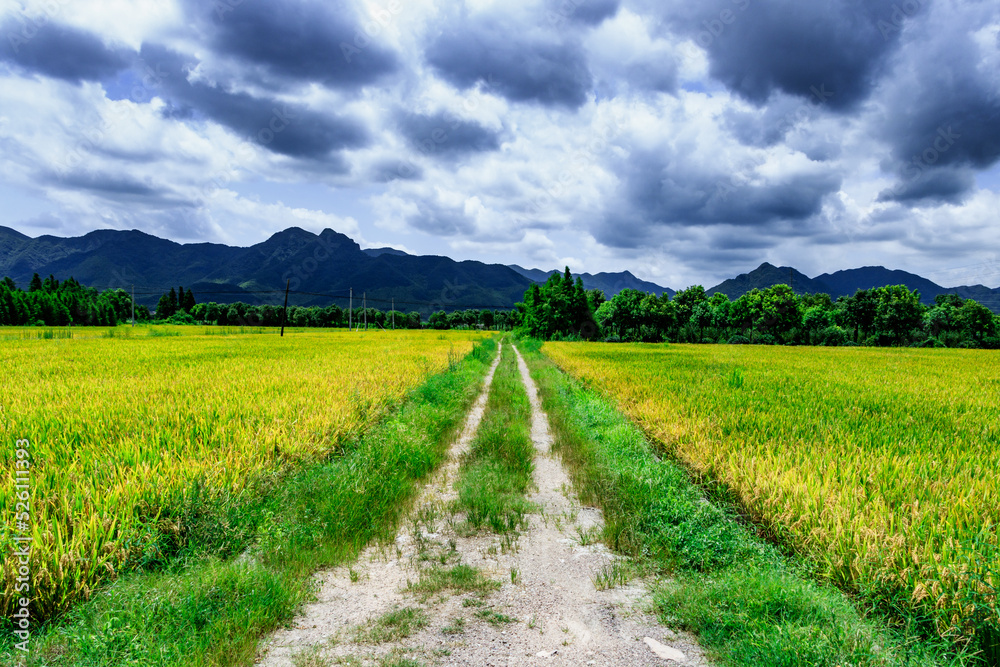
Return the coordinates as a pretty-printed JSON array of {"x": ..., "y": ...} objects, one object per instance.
[
  {"x": 560, "y": 308},
  {"x": 175, "y": 302},
  {"x": 882, "y": 316},
  {"x": 49, "y": 302}
]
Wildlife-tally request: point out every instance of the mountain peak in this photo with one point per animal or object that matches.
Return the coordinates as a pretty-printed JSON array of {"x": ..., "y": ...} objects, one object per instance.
[
  {"x": 767, "y": 275},
  {"x": 7, "y": 231},
  {"x": 292, "y": 233}
]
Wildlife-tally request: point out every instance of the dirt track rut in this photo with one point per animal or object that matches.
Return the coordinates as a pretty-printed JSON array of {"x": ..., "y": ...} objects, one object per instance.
[{"x": 547, "y": 575}]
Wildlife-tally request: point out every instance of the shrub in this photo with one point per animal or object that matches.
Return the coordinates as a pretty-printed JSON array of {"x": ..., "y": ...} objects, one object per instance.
[
  {"x": 834, "y": 336},
  {"x": 739, "y": 340},
  {"x": 764, "y": 339}
]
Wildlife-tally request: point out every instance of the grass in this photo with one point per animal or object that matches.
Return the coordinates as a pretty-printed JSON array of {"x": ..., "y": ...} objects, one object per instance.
[
  {"x": 456, "y": 627},
  {"x": 876, "y": 465},
  {"x": 496, "y": 472},
  {"x": 392, "y": 626},
  {"x": 134, "y": 442},
  {"x": 311, "y": 657},
  {"x": 210, "y": 609},
  {"x": 748, "y": 603},
  {"x": 460, "y": 578},
  {"x": 494, "y": 618},
  {"x": 611, "y": 575}
]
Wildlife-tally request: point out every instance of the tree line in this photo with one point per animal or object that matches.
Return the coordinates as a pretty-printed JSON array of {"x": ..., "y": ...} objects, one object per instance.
[
  {"x": 561, "y": 308},
  {"x": 883, "y": 316},
  {"x": 52, "y": 303},
  {"x": 242, "y": 314}
]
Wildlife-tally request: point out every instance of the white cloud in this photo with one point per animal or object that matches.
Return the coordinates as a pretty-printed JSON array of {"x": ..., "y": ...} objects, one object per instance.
[{"x": 629, "y": 178}]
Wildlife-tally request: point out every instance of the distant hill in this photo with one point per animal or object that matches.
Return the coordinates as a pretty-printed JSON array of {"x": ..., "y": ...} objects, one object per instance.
[
  {"x": 845, "y": 283},
  {"x": 984, "y": 295},
  {"x": 765, "y": 276},
  {"x": 327, "y": 263},
  {"x": 376, "y": 252},
  {"x": 849, "y": 281},
  {"x": 609, "y": 283},
  {"x": 331, "y": 263}
]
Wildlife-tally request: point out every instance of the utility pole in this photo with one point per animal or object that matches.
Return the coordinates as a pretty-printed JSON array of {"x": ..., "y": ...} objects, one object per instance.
[
  {"x": 393, "y": 313},
  {"x": 133, "y": 304},
  {"x": 284, "y": 311},
  {"x": 350, "y": 311},
  {"x": 364, "y": 307}
]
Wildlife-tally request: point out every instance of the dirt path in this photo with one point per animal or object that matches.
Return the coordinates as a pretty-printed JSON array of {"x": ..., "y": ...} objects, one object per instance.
[{"x": 546, "y": 610}]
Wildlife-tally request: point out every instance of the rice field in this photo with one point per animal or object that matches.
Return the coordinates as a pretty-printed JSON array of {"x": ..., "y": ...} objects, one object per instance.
[
  {"x": 880, "y": 465},
  {"x": 121, "y": 427}
]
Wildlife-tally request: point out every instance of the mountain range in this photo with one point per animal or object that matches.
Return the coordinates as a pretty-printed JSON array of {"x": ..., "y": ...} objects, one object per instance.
[
  {"x": 847, "y": 282},
  {"x": 609, "y": 283},
  {"x": 323, "y": 268}
]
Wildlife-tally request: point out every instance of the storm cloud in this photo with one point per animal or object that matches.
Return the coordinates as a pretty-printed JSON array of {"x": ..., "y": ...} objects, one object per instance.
[
  {"x": 289, "y": 129},
  {"x": 683, "y": 141},
  {"x": 511, "y": 63},
  {"x": 942, "y": 112},
  {"x": 305, "y": 40},
  {"x": 834, "y": 50},
  {"x": 59, "y": 51},
  {"x": 445, "y": 135}
]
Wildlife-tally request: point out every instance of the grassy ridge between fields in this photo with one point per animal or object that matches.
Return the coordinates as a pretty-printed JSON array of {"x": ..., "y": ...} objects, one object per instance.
[
  {"x": 747, "y": 603},
  {"x": 496, "y": 471},
  {"x": 203, "y": 609}
]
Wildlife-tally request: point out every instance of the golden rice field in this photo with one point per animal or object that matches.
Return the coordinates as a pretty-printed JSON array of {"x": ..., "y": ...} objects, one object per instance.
[
  {"x": 120, "y": 426},
  {"x": 881, "y": 465}
]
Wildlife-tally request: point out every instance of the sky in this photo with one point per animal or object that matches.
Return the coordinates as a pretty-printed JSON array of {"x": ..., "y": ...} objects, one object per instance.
[{"x": 684, "y": 141}]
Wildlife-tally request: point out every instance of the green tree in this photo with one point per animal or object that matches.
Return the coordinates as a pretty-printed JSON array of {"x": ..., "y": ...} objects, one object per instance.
[
  {"x": 559, "y": 307},
  {"x": 815, "y": 320},
  {"x": 685, "y": 302},
  {"x": 898, "y": 312},
  {"x": 746, "y": 311},
  {"x": 859, "y": 312},
  {"x": 438, "y": 320},
  {"x": 164, "y": 307},
  {"x": 976, "y": 321},
  {"x": 36, "y": 283},
  {"x": 779, "y": 313},
  {"x": 188, "y": 302}
]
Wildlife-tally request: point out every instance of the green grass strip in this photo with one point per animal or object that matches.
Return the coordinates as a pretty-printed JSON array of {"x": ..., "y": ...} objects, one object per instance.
[
  {"x": 212, "y": 608},
  {"x": 496, "y": 472},
  {"x": 747, "y": 603}
]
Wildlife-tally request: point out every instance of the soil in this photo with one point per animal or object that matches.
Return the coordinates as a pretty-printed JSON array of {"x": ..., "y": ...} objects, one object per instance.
[{"x": 547, "y": 610}]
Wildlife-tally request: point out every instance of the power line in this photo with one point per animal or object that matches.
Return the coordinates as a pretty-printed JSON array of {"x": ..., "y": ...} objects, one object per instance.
[{"x": 346, "y": 294}]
